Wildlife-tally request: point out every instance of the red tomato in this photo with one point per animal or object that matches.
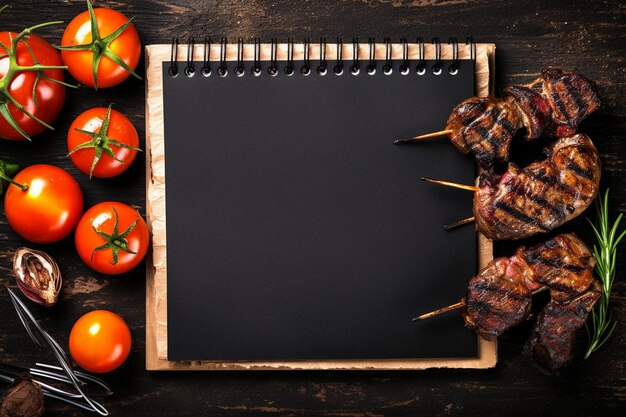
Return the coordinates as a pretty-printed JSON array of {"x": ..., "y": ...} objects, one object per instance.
[
  {"x": 48, "y": 208},
  {"x": 100, "y": 341},
  {"x": 49, "y": 95},
  {"x": 112, "y": 238},
  {"x": 91, "y": 148},
  {"x": 126, "y": 48}
]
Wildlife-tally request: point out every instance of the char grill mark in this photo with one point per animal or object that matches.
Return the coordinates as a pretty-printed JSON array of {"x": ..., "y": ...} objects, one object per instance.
[
  {"x": 543, "y": 195},
  {"x": 551, "y": 342},
  {"x": 519, "y": 215},
  {"x": 580, "y": 102},
  {"x": 585, "y": 173}
]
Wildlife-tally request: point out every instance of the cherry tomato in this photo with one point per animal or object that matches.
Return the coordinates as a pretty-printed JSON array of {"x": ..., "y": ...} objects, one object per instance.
[
  {"x": 100, "y": 341},
  {"x": 48, "y": 206},
  {"x": 112, "y": 238},
  {"x": 102, "y": 153},
  {"x": 49, "y": 95},
  {"x": 80, "y": 48}
]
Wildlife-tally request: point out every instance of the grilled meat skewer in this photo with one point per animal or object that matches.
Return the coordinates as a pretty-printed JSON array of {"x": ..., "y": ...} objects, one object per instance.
[
  {"x": 542, "y": 196},
  {"x": 499, "y": 297},
  {"x": 552, "y": 105}
]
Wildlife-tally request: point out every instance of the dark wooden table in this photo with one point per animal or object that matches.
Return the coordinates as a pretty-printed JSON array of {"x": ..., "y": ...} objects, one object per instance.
[{"x": 588, "y": 36}]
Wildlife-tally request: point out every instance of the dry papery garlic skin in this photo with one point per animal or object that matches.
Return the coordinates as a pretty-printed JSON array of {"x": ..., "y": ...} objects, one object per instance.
[{"x": 37, "y": 275}]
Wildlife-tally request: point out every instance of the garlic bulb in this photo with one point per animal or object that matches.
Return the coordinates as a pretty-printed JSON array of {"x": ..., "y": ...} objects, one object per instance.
[{"x": 37, "y": 275}]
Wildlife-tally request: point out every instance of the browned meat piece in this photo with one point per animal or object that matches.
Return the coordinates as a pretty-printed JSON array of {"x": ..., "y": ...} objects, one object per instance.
[
  {"x": 572, "y": 98},
  {"x": 564, "y": 264},
  {"x": 496, "y": 300},
  {"x": 553, "y": 105},
  {"x": 552, "y": 339},
  {"x": 533, "y": 110},
  {"x": 499, "y": 297},
  {"x": 485, "y": 127},
  {"x": 537, "y": 199}
]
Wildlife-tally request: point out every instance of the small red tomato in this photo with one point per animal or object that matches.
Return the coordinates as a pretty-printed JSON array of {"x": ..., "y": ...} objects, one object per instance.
[
  {"x": 43, "y": 204},
  {"x": 100, "y": 341},
  {"x": 41, "y": 94},
  {"x": 104, "y": 58},
  {"x": 102, "y": 142},
  {"x": 112, "y": 238}
]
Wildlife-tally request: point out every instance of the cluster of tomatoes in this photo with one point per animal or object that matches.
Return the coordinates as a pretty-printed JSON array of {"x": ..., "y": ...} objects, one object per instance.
[{"x": 43, "y": 203}]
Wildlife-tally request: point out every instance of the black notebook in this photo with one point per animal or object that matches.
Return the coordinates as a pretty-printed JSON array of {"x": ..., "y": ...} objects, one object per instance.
[{"x": 296, "y": 230}]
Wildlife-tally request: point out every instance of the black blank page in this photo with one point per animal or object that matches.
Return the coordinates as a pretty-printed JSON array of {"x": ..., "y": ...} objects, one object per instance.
[{"x": 297, "y": 230}]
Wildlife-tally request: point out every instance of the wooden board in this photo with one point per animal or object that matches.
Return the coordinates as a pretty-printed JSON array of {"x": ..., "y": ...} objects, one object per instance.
[{"x": 156, "y": 268}]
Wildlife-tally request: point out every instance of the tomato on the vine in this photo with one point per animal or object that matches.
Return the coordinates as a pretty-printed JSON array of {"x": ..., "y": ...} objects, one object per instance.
[
  {"x": 102, "y": 142},
  {"x": 32, "y": 90},
  {"x": 112, "y": 238},
  {"x": 100, "y": 341},
  {"x": 105, "y": 56},
  {"x": 43, "y": 203}
]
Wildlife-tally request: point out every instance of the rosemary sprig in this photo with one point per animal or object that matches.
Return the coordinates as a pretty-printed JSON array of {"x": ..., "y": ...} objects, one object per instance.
[{"x": 605, "y": 251}]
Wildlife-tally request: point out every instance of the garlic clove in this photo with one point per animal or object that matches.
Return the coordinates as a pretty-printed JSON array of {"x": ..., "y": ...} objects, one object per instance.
[
  {"x": 23, "y": 398},
  {"x": 37, "y": 275}
]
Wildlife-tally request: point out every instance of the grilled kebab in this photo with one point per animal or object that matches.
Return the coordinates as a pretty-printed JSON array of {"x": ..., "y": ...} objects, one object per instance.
[
  {"x": 552, "y": 105},
  {"x": 542, "y": 196},
  {"x": 499, "y": 297}
]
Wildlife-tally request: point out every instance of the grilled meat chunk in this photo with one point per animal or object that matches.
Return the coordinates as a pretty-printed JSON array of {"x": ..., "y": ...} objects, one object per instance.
[
  {"x": 554, "y": 104},
  {"x": 552, "y": 339},
  {"x": 499, "y": 297},
  {"x": 572, "y": 98},
  {"x": 537, "y": 199},
  {"x": 496, "y": 299},
  {"x": 485, "y": 127},
  {"x": 533, "y": 110},
  {"x": 564, "y": 264}
]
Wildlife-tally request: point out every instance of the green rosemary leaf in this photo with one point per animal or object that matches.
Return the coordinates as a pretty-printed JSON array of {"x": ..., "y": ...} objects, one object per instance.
[{"x": 602, "y": 325}]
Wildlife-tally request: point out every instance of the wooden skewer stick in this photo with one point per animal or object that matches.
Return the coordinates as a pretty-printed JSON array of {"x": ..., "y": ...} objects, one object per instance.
[
  {"x": 460, "y": 304},
  {"x": 440, "y": 311},
  {"x": 452, "y": 184},
  {"x": 459, "y": 223},
  {"x": 425, "y": 136}
]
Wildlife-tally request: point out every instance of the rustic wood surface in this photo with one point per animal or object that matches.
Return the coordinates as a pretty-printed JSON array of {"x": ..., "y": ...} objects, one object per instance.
[{"x": 587, "y": 36}]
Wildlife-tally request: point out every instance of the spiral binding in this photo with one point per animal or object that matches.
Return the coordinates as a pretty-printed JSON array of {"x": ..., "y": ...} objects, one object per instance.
[
  {"x": 338, "y": 70},
  {"x": 355, "y": 69},
  {"x": 239, "y": 68},
  {"x": 206, "y": 57},
  {"x": 437, "y": 67},
  {"x": 222, "y": 70},
  {"x": 322, "y": 67},
  {"x": 404, "y": 67},
  {"x": 421, "y": 64},
  {"x": 289, "y": 68},
  {"x": 256, "y": 66}
]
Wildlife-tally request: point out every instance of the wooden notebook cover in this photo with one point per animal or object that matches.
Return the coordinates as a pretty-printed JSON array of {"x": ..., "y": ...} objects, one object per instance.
[{"x": 156, "y": 276}]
